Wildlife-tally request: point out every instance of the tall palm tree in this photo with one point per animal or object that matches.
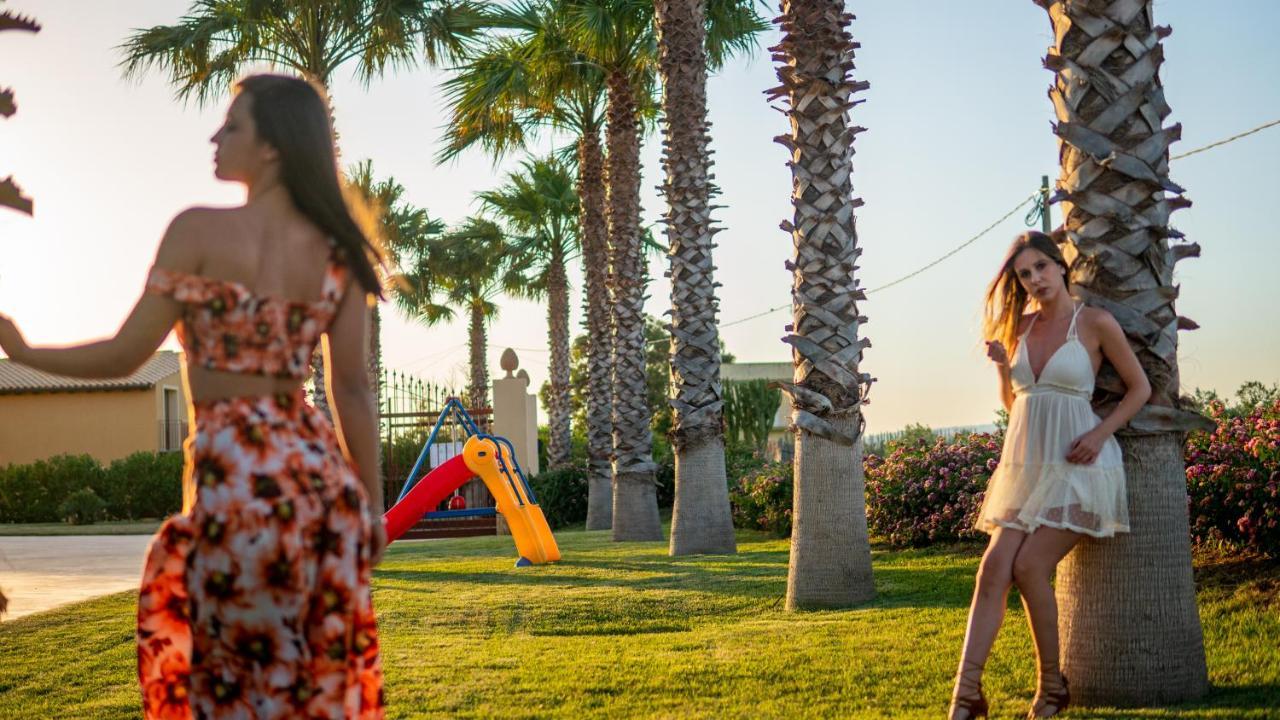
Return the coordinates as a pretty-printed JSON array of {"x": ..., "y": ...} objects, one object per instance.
[
  {"x": 400, "y": 228},
  {"x": 218, "y": 40},
  {"x": 830, "y": 553},
  {"x": 1143, "y": 644},
  {"x": 520, "y": 81},
  {"x": 619, "y": 37},
  {"x": 701, "y": 521},
  {"x": 466, "y": 267},
  {"x": 539, "y": 208},
  {"x": 10, "y": 194}
]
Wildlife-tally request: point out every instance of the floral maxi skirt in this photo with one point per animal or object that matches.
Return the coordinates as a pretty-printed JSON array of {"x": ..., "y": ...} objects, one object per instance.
[{"x": 255, "y": 604}]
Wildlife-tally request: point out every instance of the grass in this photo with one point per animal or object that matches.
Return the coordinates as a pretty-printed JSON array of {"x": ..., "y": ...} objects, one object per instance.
[
  {"x": 112, "y": 527},
  {"x": 621, "y": 630}
]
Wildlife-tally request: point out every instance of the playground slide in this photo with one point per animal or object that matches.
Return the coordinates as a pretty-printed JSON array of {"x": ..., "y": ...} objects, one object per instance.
[
  {"x": 426, "y": 495},
  {"x": 493, "y": 463}
]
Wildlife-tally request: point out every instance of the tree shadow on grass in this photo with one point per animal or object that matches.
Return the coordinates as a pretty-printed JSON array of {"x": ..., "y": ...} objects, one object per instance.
[
  {"x": 758, "y": 576},
  {"x": 1261, "y": 699}
]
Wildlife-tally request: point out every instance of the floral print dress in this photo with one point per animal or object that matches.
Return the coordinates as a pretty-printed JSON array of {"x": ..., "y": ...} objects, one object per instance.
[{"x": 256, "y": 602}]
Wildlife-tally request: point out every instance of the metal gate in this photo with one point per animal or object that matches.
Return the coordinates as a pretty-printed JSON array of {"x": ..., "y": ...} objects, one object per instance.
[{"x": 409, "y": 410}]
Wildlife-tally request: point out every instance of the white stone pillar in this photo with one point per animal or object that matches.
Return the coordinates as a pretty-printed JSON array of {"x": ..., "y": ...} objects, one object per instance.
[{"x": 515, "y": 413}]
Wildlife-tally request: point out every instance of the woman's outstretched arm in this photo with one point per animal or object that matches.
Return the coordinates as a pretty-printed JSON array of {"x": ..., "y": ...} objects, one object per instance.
[{"x": 142, "y": 332}]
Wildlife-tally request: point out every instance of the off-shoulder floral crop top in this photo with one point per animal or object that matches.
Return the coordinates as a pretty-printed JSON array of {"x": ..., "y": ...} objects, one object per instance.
[{"x": 225, "y": 326}]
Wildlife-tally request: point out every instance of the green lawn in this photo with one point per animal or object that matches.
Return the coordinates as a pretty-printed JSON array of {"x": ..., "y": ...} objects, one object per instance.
[
  {"x": 113, "y": 527},
  {"x": 624, "y": 631}
]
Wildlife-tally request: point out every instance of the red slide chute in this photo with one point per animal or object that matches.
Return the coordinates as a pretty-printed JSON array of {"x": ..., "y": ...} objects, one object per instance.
[{"x": 434, "y": 487}]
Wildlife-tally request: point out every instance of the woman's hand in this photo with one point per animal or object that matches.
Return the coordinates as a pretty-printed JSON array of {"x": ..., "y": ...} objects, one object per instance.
[
  {"x": 997, "y": 353},
  {"x": 1084, "y": 451},
  {"x": 377, "y": 539},
  {"x": 11, "y": 339}
]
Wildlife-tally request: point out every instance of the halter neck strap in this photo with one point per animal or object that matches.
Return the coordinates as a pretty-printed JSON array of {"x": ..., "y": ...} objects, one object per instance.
[{"x": 1071, "y": 330}]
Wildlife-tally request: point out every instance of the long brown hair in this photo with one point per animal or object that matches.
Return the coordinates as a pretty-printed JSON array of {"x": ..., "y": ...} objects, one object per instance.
[
  {"x": 293, "y": 117},
  {"x": 1006, "y": 298}
]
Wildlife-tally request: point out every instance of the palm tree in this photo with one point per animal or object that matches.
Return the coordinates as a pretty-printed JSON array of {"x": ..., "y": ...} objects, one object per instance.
[
  {"x": 10, "y": 194},
  {"x": 1139, "y": 641},
  {"x": 466, "y": 267},
  {"x": 619, "y": 37},
  {"x": 701, "y": 521},
  {"x": 213, "y": 45},
  {"x": 402, "y": 229},
  {"x": 830, "y": 553},
  {"x": 509, "y": 88},
  {"x": 539, "y": 208}
]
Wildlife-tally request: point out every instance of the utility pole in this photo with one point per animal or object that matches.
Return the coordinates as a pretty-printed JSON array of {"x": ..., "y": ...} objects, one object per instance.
[{"x": 1044, "y": 204}]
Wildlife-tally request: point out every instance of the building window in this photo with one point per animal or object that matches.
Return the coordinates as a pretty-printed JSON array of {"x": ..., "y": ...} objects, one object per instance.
[{"x": 172, "y": 427}]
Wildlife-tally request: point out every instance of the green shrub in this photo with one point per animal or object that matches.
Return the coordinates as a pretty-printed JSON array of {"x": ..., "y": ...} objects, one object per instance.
[
  {"x": 562, "y": 494},
  {"x": 1233, "y": 477},
  {"x": 749, "y": 409},
  {"x": 923, "y": 492},
  {"x": 82, "y": 507},
  {"x": 33, "y": 493},
  {"x": 144, "y": 485},
  {"x": 761, "y": 499}
]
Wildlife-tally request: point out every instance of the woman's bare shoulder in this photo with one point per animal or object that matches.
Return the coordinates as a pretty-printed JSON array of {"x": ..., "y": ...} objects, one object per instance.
[{"x": 1097, "y": 318}]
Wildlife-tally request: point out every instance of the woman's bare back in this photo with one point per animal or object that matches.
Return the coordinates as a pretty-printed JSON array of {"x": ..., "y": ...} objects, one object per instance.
[{"x": 272, "y": 253}]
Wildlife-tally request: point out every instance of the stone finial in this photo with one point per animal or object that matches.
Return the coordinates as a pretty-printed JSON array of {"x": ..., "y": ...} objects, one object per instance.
[
  {"x": 524, "y": 375},
  {"x": 509, "y": 361}
]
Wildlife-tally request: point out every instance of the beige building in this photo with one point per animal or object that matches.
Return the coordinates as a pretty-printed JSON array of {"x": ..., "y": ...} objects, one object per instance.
[{"x": 42, "y": 415}]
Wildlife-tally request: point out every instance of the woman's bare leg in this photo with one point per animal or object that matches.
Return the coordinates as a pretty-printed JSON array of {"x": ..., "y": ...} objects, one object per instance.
[
  {"x": 986, "y": 612},
  {"x": 1033, "y": 568}
]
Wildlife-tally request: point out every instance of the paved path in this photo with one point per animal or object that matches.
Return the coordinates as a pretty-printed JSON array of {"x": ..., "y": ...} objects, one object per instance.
[{"x": 41, "y": 573}]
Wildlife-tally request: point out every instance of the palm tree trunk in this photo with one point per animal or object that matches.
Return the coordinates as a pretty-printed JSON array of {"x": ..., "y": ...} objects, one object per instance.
[
  {"x": 558, "y": 410},
  {"x": 477, "y": 345},
  {"x": 635, "y": 499},
  {"x": 319, "y": 390},
  {"x": 375, "y": 379},
  {"x": 594, "y": 234},
  {"x": 701, "y": 521},
  {"x": 319, "y": 393},
  {"x": 1130, "y": 630},
  {"x": 830, "y": 551}
]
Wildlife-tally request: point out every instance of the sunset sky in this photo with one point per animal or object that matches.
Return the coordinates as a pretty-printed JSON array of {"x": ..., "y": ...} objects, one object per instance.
[{"x": 958, "y": 133}]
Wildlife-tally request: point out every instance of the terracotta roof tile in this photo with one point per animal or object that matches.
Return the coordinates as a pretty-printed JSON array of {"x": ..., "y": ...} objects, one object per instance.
[{"x": 18, "y": 379}]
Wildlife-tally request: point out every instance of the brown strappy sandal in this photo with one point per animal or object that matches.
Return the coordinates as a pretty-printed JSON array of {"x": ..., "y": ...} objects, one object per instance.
[
  {"x": 974, "y": 706},
  {"x": 1059, "y": 700}
]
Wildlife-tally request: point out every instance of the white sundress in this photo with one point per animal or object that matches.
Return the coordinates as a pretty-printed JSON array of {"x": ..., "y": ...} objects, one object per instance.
[{"x": 1034, "y": 485}]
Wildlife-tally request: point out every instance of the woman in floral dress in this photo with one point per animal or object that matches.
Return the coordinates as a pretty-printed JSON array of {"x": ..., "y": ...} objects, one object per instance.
[{"x": 255, "y": 601}]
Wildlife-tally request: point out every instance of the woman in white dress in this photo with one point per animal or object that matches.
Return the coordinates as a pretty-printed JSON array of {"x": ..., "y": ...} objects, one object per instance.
[{"x": 1060, "y": 475}]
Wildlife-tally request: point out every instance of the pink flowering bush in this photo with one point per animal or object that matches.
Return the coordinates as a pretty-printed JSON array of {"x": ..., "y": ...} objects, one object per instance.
[
  {"x": 1233, "y": 478},
  {"x": 923, "y": 493},
  {"x": 761, "y": 499}
]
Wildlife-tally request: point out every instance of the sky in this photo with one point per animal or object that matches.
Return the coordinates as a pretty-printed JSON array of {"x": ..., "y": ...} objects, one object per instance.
[{"x": 958, "y": 133}]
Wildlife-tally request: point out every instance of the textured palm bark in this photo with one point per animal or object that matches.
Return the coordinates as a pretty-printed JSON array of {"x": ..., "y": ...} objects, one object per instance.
[
  {"x": 635, "y": 499},
  {"x": 701, "y": 520},
  {"x": 558, "y": 409},
  {"x": 478, "y": 348},
  {"x": 375, "y": 381},
  {"x": 1129, "y": 627},
  {"x": 594, "y": 234},
  {"x": 319, "y": 391},
  {"x": 1131, "y": 633},
  {"x": 830, "y": 553}
]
